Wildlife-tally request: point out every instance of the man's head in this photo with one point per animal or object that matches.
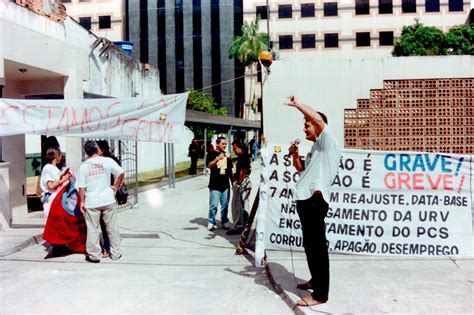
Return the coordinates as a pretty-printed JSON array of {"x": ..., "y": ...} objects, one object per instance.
[
  {"x": 310, "y": 129},
  {"x": 221, "y": 144},
  {"x": 238, "y": 147},
  {"x": 91, "y": 147}
]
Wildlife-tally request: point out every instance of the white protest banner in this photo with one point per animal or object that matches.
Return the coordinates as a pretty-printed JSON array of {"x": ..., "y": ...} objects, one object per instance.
[
  {"x": 159, "y": 119},
  {"x": 381, "y": 203}
]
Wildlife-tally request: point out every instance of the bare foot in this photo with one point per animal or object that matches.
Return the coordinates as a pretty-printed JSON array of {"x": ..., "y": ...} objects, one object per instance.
[{"x": 309, "y": 301}]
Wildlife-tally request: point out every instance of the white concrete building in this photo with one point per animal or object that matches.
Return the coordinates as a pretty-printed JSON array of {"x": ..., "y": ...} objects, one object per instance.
[
  {"x": 105, "y": 18},
  {"x": 331, "y": 36},
  {"x": 304, "y": 29},
  {"x": 42, "y": 58}
]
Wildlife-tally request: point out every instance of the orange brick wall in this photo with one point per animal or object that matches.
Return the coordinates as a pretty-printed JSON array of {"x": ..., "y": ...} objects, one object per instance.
[{"x": 431, "y": 115}]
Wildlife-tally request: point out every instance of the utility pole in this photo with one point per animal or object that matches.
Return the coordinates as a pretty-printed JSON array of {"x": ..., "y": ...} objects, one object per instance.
[{"x": 268, "y": 26}]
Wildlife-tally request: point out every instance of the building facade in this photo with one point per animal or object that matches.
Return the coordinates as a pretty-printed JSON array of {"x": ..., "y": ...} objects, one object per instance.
[
  {"x": 105, "y": 18},
  {"x": 303, "y": 29},
  {"x": 188, "y": 41},
  {"x": 59, "y": 59}
]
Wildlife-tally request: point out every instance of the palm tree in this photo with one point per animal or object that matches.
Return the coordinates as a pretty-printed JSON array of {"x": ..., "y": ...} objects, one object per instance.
[{"x": 246, "y": 48}]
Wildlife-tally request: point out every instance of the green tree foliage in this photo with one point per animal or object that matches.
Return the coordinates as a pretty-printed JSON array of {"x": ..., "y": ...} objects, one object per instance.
[
  {"x": 421, "y": 40},
  {"x": 247, "y": 47},
  {"x": 204, "y": 102},
  {"x": 460, "y": 40}
]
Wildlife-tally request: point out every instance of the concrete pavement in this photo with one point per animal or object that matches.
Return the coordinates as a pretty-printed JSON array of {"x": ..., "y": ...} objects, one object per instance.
[{"x": 172, "y": 264}]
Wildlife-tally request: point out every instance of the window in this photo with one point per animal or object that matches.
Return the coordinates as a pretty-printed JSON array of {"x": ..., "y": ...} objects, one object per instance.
[
  {"x": 262, "y": 11},
  {"x": 362, "y": 7},
  {"x": 308, "y": 41},
  {"x": 455, "y": 5},
  {"x": 331, "y": 40},
  {"x": 432, "y": 5},
  {"x": 307, "y": 10},
  {"x": 330, "y": 9},
  {"x": 104, "y": 21},
  {"x": 386, "y": 38},
  {"x": 66, "y": 1},
  {"x": 409, "y": 6},
  {"x": 286, "y": 42},
  {"x": 363, "y": 39},
  {"x": 85, "y": 22},
  {"x": 385, "y": 7},
  {"x": 285, "y": 11}
]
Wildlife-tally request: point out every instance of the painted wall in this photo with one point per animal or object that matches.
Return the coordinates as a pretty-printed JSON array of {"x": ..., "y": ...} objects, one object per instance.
[{"x": 330, "y": 86}]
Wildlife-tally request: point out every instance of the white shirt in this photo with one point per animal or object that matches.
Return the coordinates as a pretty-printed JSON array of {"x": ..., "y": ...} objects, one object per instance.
[
  {"x": 94, "y": 175},
  {"x": 321, "y": 167},
  {"x": 50, "y": 173}
]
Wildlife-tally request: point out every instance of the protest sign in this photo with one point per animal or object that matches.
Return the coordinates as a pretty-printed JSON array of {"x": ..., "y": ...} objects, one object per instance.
[
  {"x": 159, "y": 119},
  {"x": 381, "y": 203}
]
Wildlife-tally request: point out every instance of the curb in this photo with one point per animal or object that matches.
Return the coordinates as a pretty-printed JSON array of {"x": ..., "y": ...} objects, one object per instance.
[{"x": 33, "y": 240}]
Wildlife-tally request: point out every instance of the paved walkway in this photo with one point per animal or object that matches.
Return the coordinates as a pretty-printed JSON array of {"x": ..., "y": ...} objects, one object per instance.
[{"x": 168, "y": 229}]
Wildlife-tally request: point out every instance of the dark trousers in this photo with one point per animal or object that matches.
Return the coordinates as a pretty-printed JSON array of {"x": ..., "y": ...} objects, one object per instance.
[
  {"x": 193, "y": 167},
  {"x": 312, "y": 212}
]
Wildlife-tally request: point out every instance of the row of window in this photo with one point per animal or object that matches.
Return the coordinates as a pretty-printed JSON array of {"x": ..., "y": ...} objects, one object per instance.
[
  {"x": 70, "y": 1},
  {"x": 285, "y": 11},
  {"x": 105, "y": 22},
  {"x": 331, "y": 40}
]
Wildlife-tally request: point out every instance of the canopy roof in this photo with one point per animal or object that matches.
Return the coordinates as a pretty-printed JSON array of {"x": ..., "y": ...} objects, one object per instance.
[{"x": 216, "y": 121}]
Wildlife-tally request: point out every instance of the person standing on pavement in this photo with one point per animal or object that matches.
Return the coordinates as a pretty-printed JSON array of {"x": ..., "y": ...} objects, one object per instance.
[
  {"x": 241, "y": 188},
  {"x": 194, "y": 150},
  {"x": 105, "y": 151},
  {"x": 98, "y": 200},
  {"x": 220, "y": 164},
  {"x": 317, "y": 173},
  {"x": 51, "y": 179},
  {"x": 253, "y": 144}
]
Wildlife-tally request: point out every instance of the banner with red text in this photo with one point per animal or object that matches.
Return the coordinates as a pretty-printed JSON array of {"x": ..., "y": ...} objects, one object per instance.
[
  {"x": 381, "y": 203},
  {"x": 154, "y": 120}
]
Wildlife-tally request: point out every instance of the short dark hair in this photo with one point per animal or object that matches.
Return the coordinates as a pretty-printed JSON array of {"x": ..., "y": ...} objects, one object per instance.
[
  {"x": 325, "y": 119},
  {"x": 91, "y": 147},
  {"x": 239, "y": 144},
  {"x": 219, "y": 139},
  {"x": 51, "y": 154}
]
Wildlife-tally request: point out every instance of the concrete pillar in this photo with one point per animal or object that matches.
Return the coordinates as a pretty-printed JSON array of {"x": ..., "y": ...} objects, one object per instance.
[
  {"x": 73, "y": 89},
  {"x": 5, "y": 208}
]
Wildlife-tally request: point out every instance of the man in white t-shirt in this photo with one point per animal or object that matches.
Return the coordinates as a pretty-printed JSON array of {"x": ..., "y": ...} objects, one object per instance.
[
  {"x": 98, "y": 200},
  {"x": 317, "y": 173}
]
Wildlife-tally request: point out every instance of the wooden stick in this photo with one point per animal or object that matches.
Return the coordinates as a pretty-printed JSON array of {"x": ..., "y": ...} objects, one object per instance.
[{"x": 248, "y": 226}]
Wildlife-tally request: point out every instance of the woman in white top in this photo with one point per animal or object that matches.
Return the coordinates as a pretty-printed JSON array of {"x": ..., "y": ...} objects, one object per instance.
[
  {"x": 50, "y": 181},
  {"x": 51, "y": 175}
]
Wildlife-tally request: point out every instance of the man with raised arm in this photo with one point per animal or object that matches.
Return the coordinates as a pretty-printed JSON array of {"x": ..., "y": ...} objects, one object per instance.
[{"x": 317, "y": 173}]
